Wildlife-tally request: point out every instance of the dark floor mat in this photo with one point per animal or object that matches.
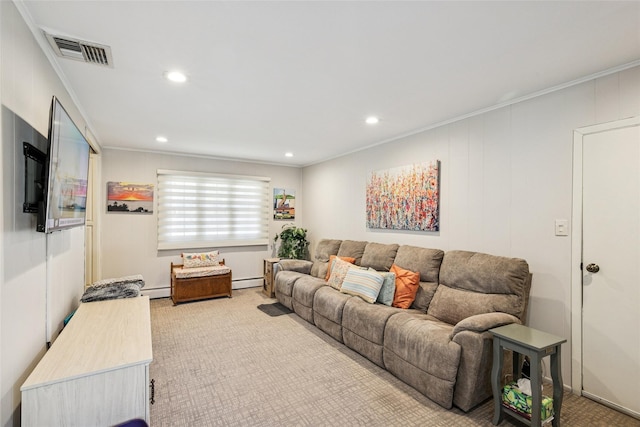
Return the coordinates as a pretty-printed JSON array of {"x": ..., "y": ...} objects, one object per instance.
[{"x": 275, "y": 309}]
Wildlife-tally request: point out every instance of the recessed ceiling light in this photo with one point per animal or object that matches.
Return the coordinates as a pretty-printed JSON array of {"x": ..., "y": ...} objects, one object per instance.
[
  {"x": 162, "y": 139},
  {"x": 288, "y": 154},
  {"x": 176, "y": 76},
  {"x": 372, "y": 120}
]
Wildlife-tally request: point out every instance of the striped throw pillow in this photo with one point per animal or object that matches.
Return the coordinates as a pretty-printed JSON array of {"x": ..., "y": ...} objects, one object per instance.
[{"x": 365, "y": 284}]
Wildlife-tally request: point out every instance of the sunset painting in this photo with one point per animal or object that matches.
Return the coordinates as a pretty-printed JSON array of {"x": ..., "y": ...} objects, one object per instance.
[{"x": 129, "y": 197}]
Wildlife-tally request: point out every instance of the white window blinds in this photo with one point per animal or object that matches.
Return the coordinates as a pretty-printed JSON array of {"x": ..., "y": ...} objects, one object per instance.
[{"x": 201, "y": 210}]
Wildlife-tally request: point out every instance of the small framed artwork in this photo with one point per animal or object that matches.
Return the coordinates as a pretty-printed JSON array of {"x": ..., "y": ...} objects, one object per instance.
[
  {"x": 127, "y": 197},
  {"x": 284, "y": 203}
]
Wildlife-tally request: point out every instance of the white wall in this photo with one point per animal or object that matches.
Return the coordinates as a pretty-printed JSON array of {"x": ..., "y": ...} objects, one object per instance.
[
  {"x": 42, "y": 277},
  {"x": 129, "y": 241},
  {"x": 506, "y": 175},
  {"x": 2, "y": 381}
]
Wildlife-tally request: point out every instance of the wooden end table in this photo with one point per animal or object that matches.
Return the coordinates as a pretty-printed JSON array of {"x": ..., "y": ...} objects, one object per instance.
[
  {"x": 526, "y": 341},
  {"x": 268, "y": 286}
]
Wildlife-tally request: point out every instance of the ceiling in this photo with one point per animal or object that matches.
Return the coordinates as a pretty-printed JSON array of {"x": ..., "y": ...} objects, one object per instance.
[{"x": 267, "y": 77}]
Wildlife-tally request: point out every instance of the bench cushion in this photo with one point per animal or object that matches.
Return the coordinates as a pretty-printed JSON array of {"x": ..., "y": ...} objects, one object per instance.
[{"x": 187, "y": 273}]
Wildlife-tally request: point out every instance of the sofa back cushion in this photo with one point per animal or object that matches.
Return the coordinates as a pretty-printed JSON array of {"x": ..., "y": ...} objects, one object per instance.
[
  {"x": 427, "y": 262},
  {"x": 474, "y": 283},
  {"x": 424, "y": 296},
  {"x": 325, "y": 248},
  {"x": 352, "y": 249},
  {"x": 423, "y": 260},
  {"x": 379, "y": 256}
]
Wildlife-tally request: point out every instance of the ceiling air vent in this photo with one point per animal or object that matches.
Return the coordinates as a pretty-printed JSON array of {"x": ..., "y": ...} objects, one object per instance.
[{"x": 70, "y": 48}]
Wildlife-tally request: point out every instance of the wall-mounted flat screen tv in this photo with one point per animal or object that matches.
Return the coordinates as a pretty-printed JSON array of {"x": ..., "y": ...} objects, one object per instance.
[{"x": 66, "y": 174}]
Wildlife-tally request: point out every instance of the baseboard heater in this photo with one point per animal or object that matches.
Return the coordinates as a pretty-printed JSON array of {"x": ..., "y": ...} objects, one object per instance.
[
  {"x": 243, "y": 283},
  {"x": 246, "y": 282}
]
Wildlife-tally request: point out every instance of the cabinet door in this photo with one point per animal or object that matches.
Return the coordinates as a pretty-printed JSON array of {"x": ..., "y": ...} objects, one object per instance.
[{"x": 101, "y": 399}]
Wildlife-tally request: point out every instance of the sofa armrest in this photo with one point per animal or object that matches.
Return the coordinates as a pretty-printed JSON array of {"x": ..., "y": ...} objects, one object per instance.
[
  {"x": 299, "y": 265},
  {"x": 483, "y": 322}
]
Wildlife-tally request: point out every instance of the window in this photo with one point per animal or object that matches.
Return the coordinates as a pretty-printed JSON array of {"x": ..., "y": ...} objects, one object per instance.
[{"x": 200, "y": 210}]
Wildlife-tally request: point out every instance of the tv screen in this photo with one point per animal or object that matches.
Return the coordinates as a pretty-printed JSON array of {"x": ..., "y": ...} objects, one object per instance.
[{"x": 66, "y": 174}]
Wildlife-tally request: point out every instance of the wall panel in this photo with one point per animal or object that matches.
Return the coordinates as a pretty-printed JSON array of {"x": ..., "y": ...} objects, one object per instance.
[
  {"x": 42, "y": 274},
  {"x": 129, "y": 241},
  {"x": 506, "y": 178}
]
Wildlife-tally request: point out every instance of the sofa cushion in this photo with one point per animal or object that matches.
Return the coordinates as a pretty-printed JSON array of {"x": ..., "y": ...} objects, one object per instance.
[
  {"x": 299, "y": 265},
  {"x": 363, "y": 328},
  {"x": 453, "y": 305},
  {"x": 474, "y": 283},
  {"x": 407, "y": 283},
  {"x": 388, "y": 289},
  {"x": 339, "y": 270},
  {"x": 424, "y": 343},
  {"x": 367, "y": 320},
  {"x": 349, "y": 259},
  {"x": 485, "y": 273},
  {"x": 425, "y": 293},
  {"x": 328, "y": 305},
  {"x": 379, "y": 256},
  {"x": 305, "y": 288},
  {"x": 361, "y": 283},
  {"x": 285, "y": 281},
  {"x": 423, "y": 260},
  {"x": 419, "y": 351},
  {"x": 324, "y": 249},
  {"x": 352, "y": 248}
]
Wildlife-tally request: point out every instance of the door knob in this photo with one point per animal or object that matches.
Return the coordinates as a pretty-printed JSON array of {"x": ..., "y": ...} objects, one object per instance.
[{"x": 593, "y": 268}]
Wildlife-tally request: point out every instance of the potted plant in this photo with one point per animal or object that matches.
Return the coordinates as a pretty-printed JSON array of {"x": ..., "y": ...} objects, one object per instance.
[{"x": 293, "y": 242}]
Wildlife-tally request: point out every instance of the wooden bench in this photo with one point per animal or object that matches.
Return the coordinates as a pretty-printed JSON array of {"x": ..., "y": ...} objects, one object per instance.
[{"x": 199, "y": 288}]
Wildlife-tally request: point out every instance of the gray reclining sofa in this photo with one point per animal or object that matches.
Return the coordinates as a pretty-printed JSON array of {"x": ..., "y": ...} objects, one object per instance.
[{"x": 440, "y": 345}]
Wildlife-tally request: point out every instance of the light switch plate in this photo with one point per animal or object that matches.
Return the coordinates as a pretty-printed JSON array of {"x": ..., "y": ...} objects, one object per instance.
[{"x": 562, "y": 227}]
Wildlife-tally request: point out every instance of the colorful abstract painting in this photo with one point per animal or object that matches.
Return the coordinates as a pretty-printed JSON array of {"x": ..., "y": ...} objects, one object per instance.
[
  {"x": 130, "y": 198},
  {"x": 405, "y": 198}
]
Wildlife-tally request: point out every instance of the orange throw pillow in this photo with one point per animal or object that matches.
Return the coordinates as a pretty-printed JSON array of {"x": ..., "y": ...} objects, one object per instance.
[
  {"x": 344, "y": 258},
  {"x": 407, "y": 283}
]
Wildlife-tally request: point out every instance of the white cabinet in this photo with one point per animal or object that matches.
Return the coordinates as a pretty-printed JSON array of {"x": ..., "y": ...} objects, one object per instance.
[{"x": 97, "y": 372}]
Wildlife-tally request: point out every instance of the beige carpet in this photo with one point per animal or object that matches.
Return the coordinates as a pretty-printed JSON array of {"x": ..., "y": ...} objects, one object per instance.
[{"x": 223, "y": 362}]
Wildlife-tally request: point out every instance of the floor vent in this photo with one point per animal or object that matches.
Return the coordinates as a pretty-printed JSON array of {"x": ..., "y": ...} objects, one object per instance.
[{"x": 78, "y": 50}]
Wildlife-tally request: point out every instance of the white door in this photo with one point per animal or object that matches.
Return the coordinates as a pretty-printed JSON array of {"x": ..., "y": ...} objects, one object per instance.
[{"x": 611, "y": 251}]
